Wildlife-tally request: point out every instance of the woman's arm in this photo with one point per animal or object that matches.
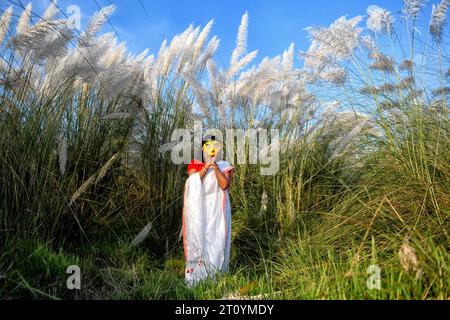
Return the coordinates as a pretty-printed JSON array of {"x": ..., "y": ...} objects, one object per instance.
[
  {"x": 224, "y": 180},
  {"x": 202, "y": 171}
]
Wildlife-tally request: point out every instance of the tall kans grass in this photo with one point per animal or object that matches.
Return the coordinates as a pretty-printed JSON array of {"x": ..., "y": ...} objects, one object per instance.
[{"x": 86, "y": 175}]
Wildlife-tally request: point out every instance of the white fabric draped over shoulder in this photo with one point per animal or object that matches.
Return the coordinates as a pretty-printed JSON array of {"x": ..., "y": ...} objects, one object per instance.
[{"x": 206, "y": 226}]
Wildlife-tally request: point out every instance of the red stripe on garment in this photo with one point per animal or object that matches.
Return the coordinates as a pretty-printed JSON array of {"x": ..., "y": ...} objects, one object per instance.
[{"x": 184, "y": 224}]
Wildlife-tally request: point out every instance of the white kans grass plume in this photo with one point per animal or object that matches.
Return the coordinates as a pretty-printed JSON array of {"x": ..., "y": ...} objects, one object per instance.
[
  {"x": 370, "y": 44},
  {"x": 94, "y": 179},
  {"x": 288, "y": 59},
  {"x": 380, "y": 20},
  {"x": 412, "y": 8},
  {"x": 387, "y": 88},
  {"x": 239, "y": 57},
  {"x": 441, "y": 91},
  {"x": 241, "y": 41},
  {"x": 103, "y": 170},
  {"x": 406, "y": 65},
  {"x": 95, "y": 24},
  {"x": 62, "y": 153},
  {"x": 24, "y": 21},
  {"x": 34, "y": 36},
  {"x": 383, "y": 63},
  {"x": 406, "y": 83},
  {"x": 330, "y": 47},
  {"x": 202, "y": 95},
  {"x": 343, "y": 143},
  {"x": 202, "y": 38},
  {"x": 317, "y": 60},
  {"x": 258, "y": 94},
  {"x": 408, "y": 258},
  {"x": 340, "y": 39},
  {"x": 141, "y": 236},
  {"x": 335, "y": 76},
  {"x": 439, "y": 19},
  {"x": 5, "y": 20},
  {"x": 331, "y": 108},
  {"x": 271, "y": 82},
  {"x": 51, "y": 12},
  {"x": 56, "y": 45},
  {"x": 264, "y": 202}
]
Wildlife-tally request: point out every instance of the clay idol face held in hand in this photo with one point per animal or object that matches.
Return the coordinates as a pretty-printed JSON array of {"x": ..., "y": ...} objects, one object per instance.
[{"x": 212, "y": 148}]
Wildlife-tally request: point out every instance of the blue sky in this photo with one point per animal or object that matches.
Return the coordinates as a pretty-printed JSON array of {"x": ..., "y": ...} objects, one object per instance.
[{"x": 274, "y": 24}]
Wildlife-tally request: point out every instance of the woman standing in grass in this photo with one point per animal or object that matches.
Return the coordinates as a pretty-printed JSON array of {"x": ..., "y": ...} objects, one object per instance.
[{"x": 207, "y": 214}]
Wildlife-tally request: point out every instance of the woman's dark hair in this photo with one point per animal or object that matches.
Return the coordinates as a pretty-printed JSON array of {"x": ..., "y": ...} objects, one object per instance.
[{"x": 205, "y": 140}]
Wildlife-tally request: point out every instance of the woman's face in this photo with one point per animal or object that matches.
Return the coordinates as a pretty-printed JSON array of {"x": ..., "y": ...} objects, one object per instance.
[{"x": 211, "y": 148}]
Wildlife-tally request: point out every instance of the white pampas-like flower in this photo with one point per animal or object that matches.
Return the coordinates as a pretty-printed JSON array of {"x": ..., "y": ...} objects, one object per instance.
[
  {"x": 241, "y": 41},
  {"x": 407, "y": 82},
  {"x": 202, "y": 96},
  {"x": 369, "y": 90},
  {"x": 96, "y": 23},
  {"x": 412, "y": 8},
  {"x": 329, "y": 110},
  {"x": 211, "y": 48},
  {"x": 235, "y": 68},
  {"x": 406, "y": 65},
  {"x": 408, "y": 258},
  {"x": 24, "y": 21},
  {"x": 441, "y": 91},
  {"x": 264, "y": 202},
  {"x": 439, "y": 19},
  {"x": 141, "y": 236},
  {"x": 387, "y": 88},
  {"x": 62, "y": 153},
  {"x": 335, "y": 76},
  {"x": 35, "y": 37},
  {"x": 383, "y": 63},
  {"x": 369, "y": 43},
  {"x": 239, "y": 58},
  {"x": 115, "y": 55},
  {"x": 345, "y": 141},
  {"x": 317, "y": 60},
  {"x": 51, "y": 11},
  {"x": 288, "y": 59},
  {"x": 56, "y": 45},
  {"x": 5, "y": 20},
  {"x": 103, "y": 170},
  {"x": 215, "y": 78},
  {"x": 340, "y": 39},
  {"x": 201, "y": 40},
  {"x": 380, "y": 20}
]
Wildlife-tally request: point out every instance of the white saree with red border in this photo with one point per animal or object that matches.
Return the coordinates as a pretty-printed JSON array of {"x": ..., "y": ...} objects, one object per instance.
[{"x": 206, "y": 226}]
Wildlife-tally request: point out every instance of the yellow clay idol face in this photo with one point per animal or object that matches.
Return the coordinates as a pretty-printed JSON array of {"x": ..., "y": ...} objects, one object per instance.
[{"x": 211, "y": 148}]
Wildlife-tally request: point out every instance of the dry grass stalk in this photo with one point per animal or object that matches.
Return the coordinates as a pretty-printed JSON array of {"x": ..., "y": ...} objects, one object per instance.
[{"x": 94, "y": 179}]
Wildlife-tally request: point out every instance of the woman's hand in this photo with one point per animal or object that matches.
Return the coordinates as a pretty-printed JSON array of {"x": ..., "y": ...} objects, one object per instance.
[
  {"x": 222, "y": 179},
  {"x": 211, "y": 163}
]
